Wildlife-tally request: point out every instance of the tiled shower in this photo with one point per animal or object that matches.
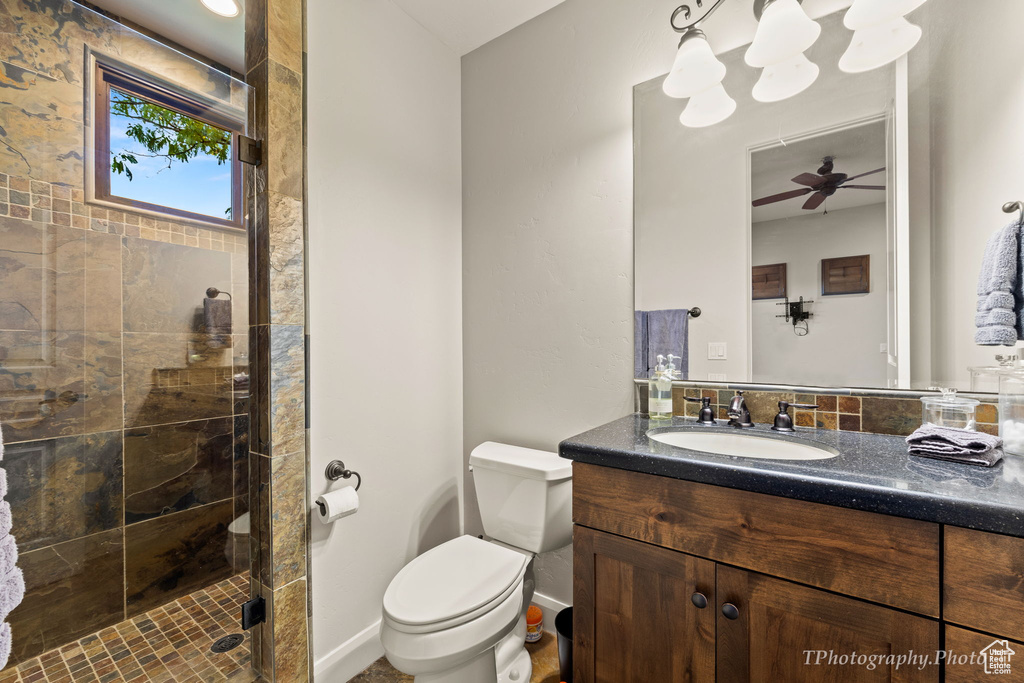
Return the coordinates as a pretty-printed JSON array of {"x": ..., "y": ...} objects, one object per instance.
[{"x": 125, "y": 421}]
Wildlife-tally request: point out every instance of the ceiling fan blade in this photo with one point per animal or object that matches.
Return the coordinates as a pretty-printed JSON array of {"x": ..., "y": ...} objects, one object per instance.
[
  {"x": 877, "y": 170},
  {"x": 816, "y": 200},
  {"x": 808, "y": 179},
  {"x": 781, "y": 197},
  {"x": 862, "y": 187}
]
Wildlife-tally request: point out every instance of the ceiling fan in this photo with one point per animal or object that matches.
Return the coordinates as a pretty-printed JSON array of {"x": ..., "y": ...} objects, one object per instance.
[{"x": 820, "y": 186}]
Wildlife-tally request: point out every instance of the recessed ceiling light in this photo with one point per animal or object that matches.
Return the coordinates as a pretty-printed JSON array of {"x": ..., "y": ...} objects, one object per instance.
[{"x": 225, "y": 8}]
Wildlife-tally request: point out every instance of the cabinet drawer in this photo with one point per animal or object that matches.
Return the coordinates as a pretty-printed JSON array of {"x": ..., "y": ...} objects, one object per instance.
[
  {"x": 984, "y": 581},
  {"x": 963, "y": 642},
  {"x": 889, "y": 560}
]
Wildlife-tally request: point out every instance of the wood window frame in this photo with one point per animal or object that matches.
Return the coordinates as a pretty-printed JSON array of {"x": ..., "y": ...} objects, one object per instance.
[{"x": 107, "y": 76}]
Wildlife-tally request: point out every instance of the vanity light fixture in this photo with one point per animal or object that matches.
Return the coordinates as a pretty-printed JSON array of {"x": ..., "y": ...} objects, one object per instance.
[
  {"x": 881, "y": 33},
  {"x": 696, "y": 67},
  {"x": 784, "y": 33},
  {"x": 708, "y": 108},
  {"x": 225, "y": 8},
  {"x": 697, "y": 74},
  {"x": 865, "y": 13}
]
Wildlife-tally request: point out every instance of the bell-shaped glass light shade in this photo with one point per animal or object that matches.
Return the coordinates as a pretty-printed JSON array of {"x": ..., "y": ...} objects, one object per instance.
[
  {"x": 708, "y": 108},
  {"x": 784, "y": 31},
  {"x": 695, "y": 70},
  {"x": 782, "y": 81},
  {"x": 877, "y": 46},
  {"x": 867, "y": 13},
  {"x": 225, "y": 8}
]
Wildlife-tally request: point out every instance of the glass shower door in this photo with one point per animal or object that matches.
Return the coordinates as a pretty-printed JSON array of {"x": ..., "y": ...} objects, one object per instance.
[{"x": 123, "y": 350}]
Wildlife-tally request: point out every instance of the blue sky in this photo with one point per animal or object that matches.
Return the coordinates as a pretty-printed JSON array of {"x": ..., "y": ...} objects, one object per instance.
[{"x": 201, "y": 185}]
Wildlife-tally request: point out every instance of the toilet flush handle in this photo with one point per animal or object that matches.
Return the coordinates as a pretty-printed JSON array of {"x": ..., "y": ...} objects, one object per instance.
[{"x": 336, "y": 470}]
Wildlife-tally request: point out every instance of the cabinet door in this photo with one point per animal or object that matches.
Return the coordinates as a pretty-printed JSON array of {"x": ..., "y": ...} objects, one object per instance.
[
  {"x": 637, "y": 614},
  {"x": 976, "y": 656},
  {"x": 771, "y": 630}
]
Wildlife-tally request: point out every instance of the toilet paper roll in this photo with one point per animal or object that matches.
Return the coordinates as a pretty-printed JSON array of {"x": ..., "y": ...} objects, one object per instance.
[{"x": 334, "y": 505}]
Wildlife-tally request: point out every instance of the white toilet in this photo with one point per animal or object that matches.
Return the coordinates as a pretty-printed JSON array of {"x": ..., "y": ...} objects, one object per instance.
[{"x": 457, "y": 613}]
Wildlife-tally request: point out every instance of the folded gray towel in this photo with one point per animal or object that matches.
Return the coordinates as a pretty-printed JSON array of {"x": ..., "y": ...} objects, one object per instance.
[
  {"x": 1000, "y": 294},
  {"x": 217, "y": 316},
  {"x": 956, "y": 445}
]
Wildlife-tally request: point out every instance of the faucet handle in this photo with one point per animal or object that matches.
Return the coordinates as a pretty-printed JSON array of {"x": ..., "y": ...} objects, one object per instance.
[{"x": 783, "y": 421}]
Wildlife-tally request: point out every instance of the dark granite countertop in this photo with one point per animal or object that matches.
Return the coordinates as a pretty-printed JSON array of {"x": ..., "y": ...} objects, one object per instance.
[{"x": 872, "y": 472}]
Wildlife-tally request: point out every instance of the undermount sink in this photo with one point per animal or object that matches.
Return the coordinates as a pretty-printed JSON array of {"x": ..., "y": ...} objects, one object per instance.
[{"x": 743, "y": 445}]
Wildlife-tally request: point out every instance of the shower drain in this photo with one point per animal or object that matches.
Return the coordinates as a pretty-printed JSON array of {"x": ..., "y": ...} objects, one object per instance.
[{"x": 227, "y": 643}]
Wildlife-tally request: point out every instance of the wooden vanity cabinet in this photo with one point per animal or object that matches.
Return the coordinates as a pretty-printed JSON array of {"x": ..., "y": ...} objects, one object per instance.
[
  {"x": 641, "y": 602},
  {"x": 780, "y": 627},
  {"x": 677, "y": 581}
]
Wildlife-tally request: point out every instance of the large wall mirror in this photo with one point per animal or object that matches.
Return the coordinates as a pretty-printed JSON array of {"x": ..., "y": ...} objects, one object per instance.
[{"x": 870, "y": 283}]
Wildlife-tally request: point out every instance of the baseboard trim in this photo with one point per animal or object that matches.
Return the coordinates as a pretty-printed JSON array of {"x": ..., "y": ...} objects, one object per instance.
[
  {"x": 351, "y": 657},
  {"x": 551, "y": 608}
]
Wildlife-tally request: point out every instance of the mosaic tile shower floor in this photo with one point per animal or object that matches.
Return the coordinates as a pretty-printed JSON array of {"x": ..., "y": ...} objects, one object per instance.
[
  {"x": 169, "y": 644},
  {"x": 543, "y": 654}
]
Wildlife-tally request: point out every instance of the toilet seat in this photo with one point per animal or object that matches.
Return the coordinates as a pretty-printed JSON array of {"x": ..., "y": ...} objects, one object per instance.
[{"x": 452, "y": 584}]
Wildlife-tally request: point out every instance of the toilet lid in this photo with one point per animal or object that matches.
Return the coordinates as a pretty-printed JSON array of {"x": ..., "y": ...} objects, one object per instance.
[{"x": 454, "y": 579}]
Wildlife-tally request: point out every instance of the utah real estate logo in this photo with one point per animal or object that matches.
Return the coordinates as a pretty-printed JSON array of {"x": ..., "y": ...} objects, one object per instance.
[{"x": 997, "y": 657}]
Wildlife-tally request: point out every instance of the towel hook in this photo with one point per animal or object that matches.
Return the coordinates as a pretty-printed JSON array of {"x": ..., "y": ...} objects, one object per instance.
[
  {"x": 213, "y": 293},
  {"x": 1010, "y": 207}
]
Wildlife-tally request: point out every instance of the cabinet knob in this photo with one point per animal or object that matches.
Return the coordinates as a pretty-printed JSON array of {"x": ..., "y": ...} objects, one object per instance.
[
  {"x": 699, "y": 600},
  {"x": 730, "y": 611}
]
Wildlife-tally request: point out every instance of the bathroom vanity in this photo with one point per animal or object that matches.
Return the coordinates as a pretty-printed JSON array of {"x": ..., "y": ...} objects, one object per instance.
[{"x": 691, "y": 566}]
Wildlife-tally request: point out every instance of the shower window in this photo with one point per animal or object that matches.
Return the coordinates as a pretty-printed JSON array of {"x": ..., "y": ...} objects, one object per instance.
[{"x": 164, "y": 151}]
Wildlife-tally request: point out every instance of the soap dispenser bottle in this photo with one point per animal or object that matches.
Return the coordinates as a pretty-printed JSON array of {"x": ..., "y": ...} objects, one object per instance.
[{"x": 659, "y": 394}]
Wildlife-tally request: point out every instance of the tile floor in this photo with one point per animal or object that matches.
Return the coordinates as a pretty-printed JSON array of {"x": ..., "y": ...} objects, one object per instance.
[
  {"x": 544, "y": 655},
  {"x": 169, "y": 644}
]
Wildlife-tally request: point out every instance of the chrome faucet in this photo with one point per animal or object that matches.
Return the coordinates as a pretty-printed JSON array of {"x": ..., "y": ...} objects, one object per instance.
[{"x": 739, "y": 414}]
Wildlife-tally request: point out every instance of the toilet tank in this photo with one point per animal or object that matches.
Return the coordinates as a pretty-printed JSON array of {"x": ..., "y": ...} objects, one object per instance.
[{"x": 525, "y": 496}]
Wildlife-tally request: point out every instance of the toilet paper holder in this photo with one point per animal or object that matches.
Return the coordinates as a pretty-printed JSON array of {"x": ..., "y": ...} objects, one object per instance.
[{"x": 336, "y": 470}]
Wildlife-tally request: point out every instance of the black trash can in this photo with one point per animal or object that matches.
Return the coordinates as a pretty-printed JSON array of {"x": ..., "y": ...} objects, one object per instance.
[{"x": 563, "y": 629}]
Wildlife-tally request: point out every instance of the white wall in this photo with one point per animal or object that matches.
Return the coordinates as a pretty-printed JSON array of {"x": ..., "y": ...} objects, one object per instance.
[
  {"x": 976, "y": 97},
  {"x": 385, "y": 314},
  {"x": 548, "y": 224},
  {"x": 847, "y": 328}
]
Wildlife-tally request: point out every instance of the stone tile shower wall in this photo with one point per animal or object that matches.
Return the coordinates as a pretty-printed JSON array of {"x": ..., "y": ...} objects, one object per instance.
[
  {"x": 127, "y": 443},
  {"x": 274, "y": 56}
]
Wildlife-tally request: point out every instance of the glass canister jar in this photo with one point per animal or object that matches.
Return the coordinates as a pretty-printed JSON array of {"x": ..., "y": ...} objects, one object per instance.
[
  {"x": 1011, "y": 411},
  {"x": 949, "y": 410}
]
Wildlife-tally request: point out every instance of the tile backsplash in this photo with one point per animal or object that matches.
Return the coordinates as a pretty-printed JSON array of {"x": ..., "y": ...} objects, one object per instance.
[{"x": 877, "y": 412}]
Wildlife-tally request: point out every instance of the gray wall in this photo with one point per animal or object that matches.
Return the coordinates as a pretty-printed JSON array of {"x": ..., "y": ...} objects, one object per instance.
[
  {"x": 548, "y": 221},
  {"x": 842, "y": 348}
]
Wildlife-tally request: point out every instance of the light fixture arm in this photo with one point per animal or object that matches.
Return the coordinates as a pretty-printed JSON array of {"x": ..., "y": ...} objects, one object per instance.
[
  {"x": 759, "y": 7},
  {"x": 688, "y": 13}
]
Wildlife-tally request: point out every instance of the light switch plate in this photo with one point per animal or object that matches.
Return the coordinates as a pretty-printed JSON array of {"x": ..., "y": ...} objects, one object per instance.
[
  {"x": 717, "y": 351},
  {"x": 717, "y": 377}
]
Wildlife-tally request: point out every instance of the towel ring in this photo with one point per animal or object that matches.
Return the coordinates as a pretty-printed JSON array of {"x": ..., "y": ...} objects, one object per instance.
[{"x": 1010, "y": 207}]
